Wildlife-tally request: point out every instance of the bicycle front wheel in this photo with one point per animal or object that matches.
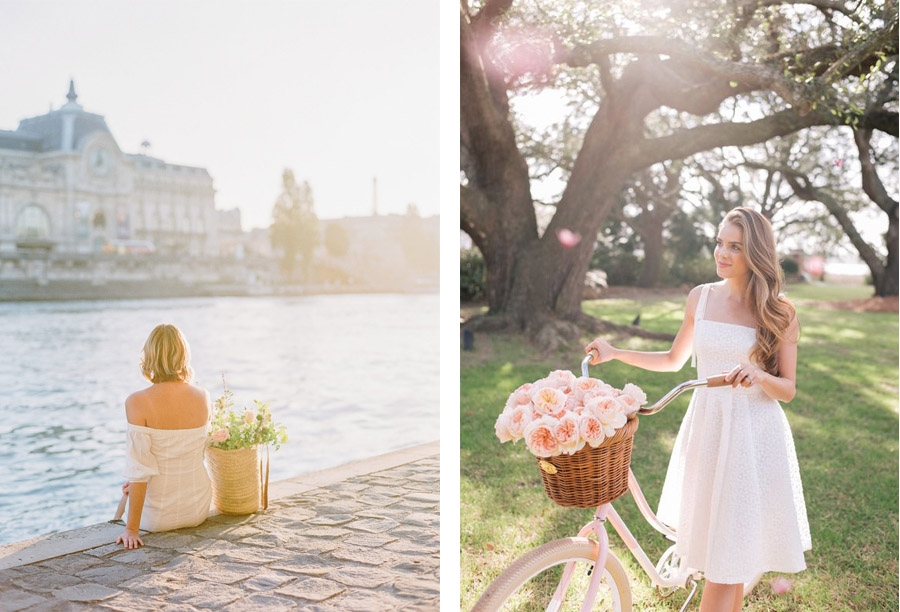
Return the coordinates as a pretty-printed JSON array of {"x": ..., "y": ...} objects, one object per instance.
[{"x": 530, "y": 583}]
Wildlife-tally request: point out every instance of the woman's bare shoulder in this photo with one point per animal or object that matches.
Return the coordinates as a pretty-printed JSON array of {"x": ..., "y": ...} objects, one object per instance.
[
  {"x": 693, "y": 298},
  {"x": 135, "y": 407},
  {"x": 199, "y": 392}
]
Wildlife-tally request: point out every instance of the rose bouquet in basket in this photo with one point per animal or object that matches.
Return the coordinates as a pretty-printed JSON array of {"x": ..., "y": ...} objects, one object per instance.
[
  {"x": 233, "y": 457},
  {"x": 581, "y": 429},
  {"x": 560, "y": 414}
]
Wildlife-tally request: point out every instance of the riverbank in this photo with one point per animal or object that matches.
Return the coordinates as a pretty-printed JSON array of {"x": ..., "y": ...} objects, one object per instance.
[
  {"x": 63, "y": 290},
  {"x": 360, "y": 536}
]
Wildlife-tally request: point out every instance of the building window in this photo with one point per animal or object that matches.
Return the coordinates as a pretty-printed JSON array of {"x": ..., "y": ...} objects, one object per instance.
[
  {"x": 99, "y": 220},
  {"x": 33, "y": 223}
]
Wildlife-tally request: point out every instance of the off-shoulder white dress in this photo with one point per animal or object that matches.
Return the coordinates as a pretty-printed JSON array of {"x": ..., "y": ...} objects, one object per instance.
[{"x": 170, "y": 461}]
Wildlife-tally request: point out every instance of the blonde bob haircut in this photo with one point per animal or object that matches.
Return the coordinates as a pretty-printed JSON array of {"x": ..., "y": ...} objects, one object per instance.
[{"x": 166, "y": 356}]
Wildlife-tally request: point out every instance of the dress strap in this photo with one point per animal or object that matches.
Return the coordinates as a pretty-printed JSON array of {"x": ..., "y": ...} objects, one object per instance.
[{"x": 698, "y": 316}]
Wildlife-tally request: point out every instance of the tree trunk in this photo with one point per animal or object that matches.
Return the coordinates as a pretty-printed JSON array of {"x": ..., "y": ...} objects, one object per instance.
[
  {"x": 889, "y": 280},
  {"x": 886, "y": 282},
  {"x": 652, "y": 266}
]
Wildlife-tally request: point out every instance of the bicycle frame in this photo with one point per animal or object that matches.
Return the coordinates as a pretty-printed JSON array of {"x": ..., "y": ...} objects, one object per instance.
[{"x": 606, "y": 511}]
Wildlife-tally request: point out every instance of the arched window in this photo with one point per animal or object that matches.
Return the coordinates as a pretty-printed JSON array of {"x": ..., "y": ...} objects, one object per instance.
[{"x": 33, "y": 223}]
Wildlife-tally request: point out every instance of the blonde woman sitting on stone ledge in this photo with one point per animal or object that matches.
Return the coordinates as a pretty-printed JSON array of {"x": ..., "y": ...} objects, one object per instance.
[{"x": 168, "y": 486}]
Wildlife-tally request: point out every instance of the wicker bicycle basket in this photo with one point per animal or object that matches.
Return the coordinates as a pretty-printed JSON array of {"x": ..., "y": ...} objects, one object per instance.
[{"x": 592, "y": 476}]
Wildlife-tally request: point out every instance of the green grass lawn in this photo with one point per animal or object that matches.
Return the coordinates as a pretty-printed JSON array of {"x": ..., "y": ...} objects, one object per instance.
[
  {"x": 845, "y": 426},
  {"x": 831, "y": 293}
]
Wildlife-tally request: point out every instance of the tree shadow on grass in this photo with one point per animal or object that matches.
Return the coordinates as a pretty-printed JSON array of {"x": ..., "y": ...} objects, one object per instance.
[{"x": 844, "y": 423}]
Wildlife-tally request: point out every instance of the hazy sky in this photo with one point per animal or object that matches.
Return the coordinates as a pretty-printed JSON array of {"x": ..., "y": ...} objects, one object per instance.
[{"x": 338, "y": 91}]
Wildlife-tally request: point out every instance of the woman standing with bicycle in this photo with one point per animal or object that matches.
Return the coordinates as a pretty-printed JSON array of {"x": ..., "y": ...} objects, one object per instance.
[{"x": 733, "y": 487}]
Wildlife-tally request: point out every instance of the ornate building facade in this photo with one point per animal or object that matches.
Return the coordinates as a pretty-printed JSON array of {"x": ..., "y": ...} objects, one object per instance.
[{"x": 66, "y": 185}]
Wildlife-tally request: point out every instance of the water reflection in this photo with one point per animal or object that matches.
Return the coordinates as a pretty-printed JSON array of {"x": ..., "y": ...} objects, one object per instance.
[{"x": 350, "y": 377}]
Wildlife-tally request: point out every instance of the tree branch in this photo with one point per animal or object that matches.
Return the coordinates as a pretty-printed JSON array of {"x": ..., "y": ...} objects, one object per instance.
[
  {"x": 477, "y": 216},
  {"x": 752, "y": 76},
  {"x": 685, "y": 143},
  {"x": 871, "y": 182},
  {"x": 826, "y": 5},
  {"x": 492, "y": 156},
  {"x": 881, "y": 120},
  {"x": 860, "y": 56},
  {"x": 490, "y": 11}
]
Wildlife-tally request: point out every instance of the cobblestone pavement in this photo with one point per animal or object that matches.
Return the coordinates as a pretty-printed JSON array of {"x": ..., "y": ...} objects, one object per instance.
[{"x": 369, "y": 542}]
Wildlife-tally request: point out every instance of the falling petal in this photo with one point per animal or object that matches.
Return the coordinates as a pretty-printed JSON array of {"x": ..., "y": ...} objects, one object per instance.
[
  {"x": 781, "y": 585},
  {"x": 568, "y": 238}
]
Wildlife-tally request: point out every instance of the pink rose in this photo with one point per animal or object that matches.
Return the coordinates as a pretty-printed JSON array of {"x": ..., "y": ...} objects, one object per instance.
[
  {"x": 517, "y": 420},
  {"x": 521, "y": 396},
  {"x": 603, "y": 391},
  {"x": 584, "y": 385},
  {"x": 501, "y": 428},
  {"x": 249, "y": 417},
  {"x": 562, "y": 380},
  {"x": 549, "y": 401},
  {"x": 567, "y": 435},
  {"x": 609, "y": 411},
  {"x": 632, "y": 390},
  {"x": 220, "y": 436},
  {"x": 629, "y": 404},
  {"x": 540, "y": 439},
  {"x": 591, "y": 430}
]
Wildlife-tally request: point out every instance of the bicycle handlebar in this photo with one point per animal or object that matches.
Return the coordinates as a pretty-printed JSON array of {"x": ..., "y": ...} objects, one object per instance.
[{"x": 712, "y": 381}]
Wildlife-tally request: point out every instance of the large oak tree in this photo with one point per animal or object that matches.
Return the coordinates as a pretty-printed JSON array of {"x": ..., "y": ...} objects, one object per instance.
[{"x": 779, "y": 65}]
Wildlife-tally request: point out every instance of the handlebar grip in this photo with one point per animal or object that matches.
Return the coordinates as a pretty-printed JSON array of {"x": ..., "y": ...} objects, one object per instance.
[{"x": 717, "y": 381}]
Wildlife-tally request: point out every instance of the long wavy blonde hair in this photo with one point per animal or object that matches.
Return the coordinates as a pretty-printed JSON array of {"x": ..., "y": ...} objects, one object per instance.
[
  {"x": 166, "y": 356},
  {"x": 773, "y": 312}
]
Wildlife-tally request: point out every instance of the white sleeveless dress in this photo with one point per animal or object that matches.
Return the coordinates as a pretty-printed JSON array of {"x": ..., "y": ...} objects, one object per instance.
[
  {"x": 170, "y": 461},
  {"x": 733, "y": 490}
]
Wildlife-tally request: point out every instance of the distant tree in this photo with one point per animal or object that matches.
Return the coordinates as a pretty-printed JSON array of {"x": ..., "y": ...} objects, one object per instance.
[
  {"x": 654, "y": 193},
  {"x": 295, "y": 228},
  {"x": 337, "y": 240}
]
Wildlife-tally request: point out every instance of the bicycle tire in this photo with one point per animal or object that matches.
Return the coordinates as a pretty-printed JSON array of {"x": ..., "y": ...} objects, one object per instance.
[{"x": 550, "y": 555}]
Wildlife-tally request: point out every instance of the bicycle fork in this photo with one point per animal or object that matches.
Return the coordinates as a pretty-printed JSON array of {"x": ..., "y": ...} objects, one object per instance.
[{"x": 597, "y": 526}]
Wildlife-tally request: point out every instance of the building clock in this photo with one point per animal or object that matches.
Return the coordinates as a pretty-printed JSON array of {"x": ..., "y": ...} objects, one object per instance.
[{"x": 99, "y": 162}]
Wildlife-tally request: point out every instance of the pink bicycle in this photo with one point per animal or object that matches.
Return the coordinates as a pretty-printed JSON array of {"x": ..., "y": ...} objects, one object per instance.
[{"x": 560, "y": 576}]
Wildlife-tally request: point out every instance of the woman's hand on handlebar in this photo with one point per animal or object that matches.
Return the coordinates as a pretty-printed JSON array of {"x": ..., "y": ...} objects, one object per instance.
[
  {"x": 745, "y": 375},
  {"x": 602, "y": 351}
]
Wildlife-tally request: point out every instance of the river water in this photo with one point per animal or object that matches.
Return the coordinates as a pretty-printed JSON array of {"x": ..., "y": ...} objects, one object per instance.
[{"x": 350, "y": 376}]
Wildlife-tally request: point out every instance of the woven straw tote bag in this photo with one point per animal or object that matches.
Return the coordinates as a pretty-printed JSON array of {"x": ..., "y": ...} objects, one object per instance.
[{"x": 238, "y": 483}]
